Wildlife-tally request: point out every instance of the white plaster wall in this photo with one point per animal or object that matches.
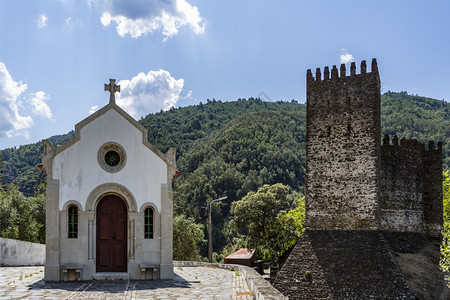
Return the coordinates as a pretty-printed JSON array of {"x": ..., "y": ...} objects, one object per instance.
[
  {"x": 79, "y": 172},
  {"x": 20, "y": 253}
]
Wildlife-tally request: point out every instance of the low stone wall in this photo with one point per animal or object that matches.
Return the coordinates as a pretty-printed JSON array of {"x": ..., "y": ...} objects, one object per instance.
[
  {"x": 19, "y": 253},
  {"x": 261, "y": 289}
]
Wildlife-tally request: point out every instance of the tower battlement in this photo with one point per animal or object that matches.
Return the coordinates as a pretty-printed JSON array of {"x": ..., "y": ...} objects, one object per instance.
[
  {"x": 342, "y": 73},
  {"x": 404, "y": 142}
]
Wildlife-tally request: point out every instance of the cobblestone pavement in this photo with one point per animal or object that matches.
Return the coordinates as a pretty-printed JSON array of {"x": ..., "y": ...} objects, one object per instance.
[{"x": 189, "y": 283}]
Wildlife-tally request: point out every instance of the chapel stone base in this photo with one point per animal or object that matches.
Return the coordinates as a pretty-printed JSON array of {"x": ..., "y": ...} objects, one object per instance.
[
  {"x": 51, "y": 272},
  {"x": 166, "y": 271}
]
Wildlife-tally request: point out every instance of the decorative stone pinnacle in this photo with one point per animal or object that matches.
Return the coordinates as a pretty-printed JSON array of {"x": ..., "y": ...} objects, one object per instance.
[{"x": 112, "y": 87}]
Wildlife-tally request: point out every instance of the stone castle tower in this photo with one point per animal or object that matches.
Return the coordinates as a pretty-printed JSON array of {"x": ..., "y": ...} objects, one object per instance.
[
  {"x": 343, "y": 149},
  {"x": 352, "y": 181},
  {"x": 365, "y": 198}
]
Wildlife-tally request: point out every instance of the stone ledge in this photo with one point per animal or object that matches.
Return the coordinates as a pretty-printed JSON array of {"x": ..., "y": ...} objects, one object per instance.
[
  {"x": 111, "y": 276},
  {"x": 260, "y": 288}
]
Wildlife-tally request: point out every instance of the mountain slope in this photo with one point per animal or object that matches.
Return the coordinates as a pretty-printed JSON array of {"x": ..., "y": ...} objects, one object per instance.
[
  {"x": 187, "y": 128},
  {"x": 417, "y": 117}
]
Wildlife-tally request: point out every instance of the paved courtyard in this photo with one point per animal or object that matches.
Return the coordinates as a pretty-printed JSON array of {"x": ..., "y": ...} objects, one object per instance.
[{"x": 189, "y": 283}]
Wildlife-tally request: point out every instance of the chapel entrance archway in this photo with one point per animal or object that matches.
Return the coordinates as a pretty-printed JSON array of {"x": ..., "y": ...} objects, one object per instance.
[{"x": 111, "y": 235}]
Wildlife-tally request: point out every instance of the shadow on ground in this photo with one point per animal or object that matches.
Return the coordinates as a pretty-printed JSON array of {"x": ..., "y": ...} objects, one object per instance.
[{"x": 111, "y": 286}]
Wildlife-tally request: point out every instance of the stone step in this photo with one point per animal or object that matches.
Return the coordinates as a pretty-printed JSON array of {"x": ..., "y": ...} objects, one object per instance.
[{"x": 111, "y": 276}]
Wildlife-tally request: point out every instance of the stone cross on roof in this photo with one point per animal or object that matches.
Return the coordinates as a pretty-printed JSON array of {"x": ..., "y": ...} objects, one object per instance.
[{"x": 112, "y": 87}]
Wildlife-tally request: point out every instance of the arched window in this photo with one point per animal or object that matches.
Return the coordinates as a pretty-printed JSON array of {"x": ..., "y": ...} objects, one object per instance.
[
  {"x": 73, "y": 222},
  {"x": 148, "y": 223}
]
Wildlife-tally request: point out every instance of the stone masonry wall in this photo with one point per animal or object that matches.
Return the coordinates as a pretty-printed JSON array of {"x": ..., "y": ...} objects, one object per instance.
[
  {"x": 343, "y": 143},
  {"x": 411, "y": 187},
  {"x": 340, "y": 264},
  {"x": 432, "y": 192},
  {"x": 401, "y": 201}
]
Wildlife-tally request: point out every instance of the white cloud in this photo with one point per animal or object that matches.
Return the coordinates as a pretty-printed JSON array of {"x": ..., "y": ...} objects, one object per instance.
[
  {"x": 40, "y": 108},
  {"x": 346, "y": 58},
  {"x": 42, "y": 21},
  {"x": 150, "y": 93},
  {"x": 138, "y": 18},
  {"x": 188, "y": 96},
  {"x": 11, "y": 122},
  {"x": 93, "y": 109}
]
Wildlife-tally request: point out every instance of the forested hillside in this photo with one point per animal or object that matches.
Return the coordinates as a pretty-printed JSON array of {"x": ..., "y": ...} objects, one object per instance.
[
  {"x": 417, "y": 117},
  {"x": 180, "y": 127},
  {"x": 174, "y": 128},
  {"x": 256, "y": 149},
  {"x": 20, "y": 164},
  {"x": 192, "y": 128},
  {"x": 233, "y": 148}
]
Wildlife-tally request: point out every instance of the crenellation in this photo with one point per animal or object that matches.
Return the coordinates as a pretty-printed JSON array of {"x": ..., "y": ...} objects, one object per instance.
[
  {"x": 374, "y": 68},
  {"x": 318, "y": 75},
  {"x": 395, "y": 140},
  {"x": 343, "y": 71},
  {"x": 334, "y": 73},
  {"x": 353, "y": 69},
  {"x": 363, "y": 67},
  {"x": 326, "y": 73},
  {"x": 309, "y": 76}
]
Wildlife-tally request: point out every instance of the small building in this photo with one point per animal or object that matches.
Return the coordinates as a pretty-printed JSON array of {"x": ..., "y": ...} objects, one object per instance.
[
  {"x": 242, "y": 256},
  {"x": 109, "y": 201}
]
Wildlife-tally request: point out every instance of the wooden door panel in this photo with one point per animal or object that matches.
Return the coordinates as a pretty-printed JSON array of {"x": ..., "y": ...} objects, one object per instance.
[
  {"x": 104, "y": 255},
  {"x": 104, "y": 225},
  {"x": 121, "y": 228},
  {"x": 119, "y": 257},
  {"x": 111, "y": 235}
]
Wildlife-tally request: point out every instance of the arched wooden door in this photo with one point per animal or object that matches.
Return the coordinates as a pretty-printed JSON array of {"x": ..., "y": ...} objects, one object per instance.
[{"x": 111, "y": 235}]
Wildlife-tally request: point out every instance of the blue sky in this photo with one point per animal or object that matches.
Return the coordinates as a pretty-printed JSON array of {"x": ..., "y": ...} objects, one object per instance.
[{"x": 56, "y": 55}]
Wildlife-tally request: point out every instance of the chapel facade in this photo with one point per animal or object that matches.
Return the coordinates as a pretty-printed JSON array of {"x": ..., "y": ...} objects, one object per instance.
[{"x": 109, "y": 208}]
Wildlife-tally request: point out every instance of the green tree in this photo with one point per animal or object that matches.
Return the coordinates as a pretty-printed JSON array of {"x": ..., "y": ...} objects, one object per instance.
[
  {"x": 285, "y": 232},
  {"x": 446, "y": 195},
  {"x": 22, "y": 218},
  {"x": 269, "y": 228},
  {"x": 298, "y": 213},
  {"x": 2, "y": 173},
  {"x": 187, "y": 237},
  {"x": 445, "y": 247}
]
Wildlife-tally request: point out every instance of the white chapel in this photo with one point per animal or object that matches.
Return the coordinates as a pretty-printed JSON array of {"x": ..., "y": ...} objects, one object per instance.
[{"x": 109, "y": 208}]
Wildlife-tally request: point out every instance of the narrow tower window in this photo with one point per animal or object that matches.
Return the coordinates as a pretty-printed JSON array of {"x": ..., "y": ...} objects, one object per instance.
[
  {"x": 73, "y": 222},
  {"x": 148, "y": 223}
]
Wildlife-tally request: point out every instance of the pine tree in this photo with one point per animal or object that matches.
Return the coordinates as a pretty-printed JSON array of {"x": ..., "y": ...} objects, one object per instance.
[{"x": 2, "y": 173}]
